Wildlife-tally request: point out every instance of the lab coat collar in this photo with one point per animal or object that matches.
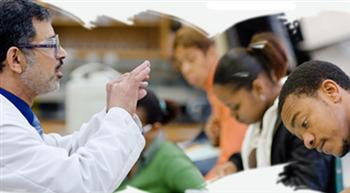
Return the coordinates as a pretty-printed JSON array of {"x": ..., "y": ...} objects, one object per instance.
[{"x": 24, "y": 108}]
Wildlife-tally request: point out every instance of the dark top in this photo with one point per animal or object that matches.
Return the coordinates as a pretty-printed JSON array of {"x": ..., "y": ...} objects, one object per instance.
[{"x": 309, "y": 168}]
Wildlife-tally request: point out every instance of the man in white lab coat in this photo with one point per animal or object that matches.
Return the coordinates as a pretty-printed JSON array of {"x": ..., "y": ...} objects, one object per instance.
[{"x": 94, "y": 159}]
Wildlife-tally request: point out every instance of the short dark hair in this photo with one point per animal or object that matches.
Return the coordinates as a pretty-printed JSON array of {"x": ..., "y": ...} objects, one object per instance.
[
  {"x": 308, "y": 77},
  {"x": 16, "y": 26},
  {"x": 157, "y": 110}
]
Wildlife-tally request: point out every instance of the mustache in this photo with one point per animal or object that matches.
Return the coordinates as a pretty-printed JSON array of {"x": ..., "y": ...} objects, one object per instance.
[{"x": 60, "y": 63}]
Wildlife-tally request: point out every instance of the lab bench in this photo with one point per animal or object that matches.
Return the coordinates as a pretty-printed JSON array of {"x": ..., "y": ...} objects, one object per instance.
[{"x": 176, "y": 132}]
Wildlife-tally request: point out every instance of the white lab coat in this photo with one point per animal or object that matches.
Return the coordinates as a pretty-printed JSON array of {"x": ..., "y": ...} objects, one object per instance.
[
  {"x": 260, "y": 137},
  {"x": 95, "y": 159}
]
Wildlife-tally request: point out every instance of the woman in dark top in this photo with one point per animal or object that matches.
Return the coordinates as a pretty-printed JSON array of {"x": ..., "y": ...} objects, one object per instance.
[{"x": 248, "y": 81}]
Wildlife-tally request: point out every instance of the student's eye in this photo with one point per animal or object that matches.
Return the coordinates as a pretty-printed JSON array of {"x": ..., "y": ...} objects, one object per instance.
[
  {"x": 237, "y": 107},
  {"x": 305, "y": 124}
]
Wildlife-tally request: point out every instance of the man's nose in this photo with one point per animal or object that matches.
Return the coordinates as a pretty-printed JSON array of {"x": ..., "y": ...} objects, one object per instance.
[
  {"x": 309, "y": 140},
  {"x": 61, "y": 53}
]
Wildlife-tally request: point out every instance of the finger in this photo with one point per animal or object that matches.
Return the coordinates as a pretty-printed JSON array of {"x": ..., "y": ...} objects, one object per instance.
[
  {"x": 124, "y": 75},
  {"x": 143, "y": 75},
  {"x": 120, "y": 78},
  {"x": 141, "y": 67},
  {"x": 142, "y": 93},
  {"x": 146, "y": 78},
  {"x": 143, "y": 84}
]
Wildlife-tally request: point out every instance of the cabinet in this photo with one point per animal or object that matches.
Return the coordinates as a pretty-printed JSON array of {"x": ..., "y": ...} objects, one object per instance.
[{"x": 149, "y": 36}]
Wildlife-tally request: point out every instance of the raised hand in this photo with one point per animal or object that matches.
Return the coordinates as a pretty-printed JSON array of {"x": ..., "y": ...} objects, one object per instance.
[{"x": 126, "y": 90}]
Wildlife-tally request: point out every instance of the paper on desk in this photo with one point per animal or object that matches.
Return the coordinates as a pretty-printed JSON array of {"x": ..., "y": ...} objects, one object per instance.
[
  {"x": 198, "y": 152},
  {"x": 130, "y": 189},
  {"x": 255, "y": 180}
]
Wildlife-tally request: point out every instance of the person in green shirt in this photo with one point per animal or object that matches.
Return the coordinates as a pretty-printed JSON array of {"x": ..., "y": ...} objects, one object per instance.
[{"x": 162, "y": 167}]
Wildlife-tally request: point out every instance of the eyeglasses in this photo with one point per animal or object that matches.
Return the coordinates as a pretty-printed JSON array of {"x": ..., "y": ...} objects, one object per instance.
[{"x": 53, "y": 42}]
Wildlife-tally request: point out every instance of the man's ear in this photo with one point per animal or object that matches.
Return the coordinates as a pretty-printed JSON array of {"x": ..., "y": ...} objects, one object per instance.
[
  {"x": 331, "y": 89},
  {"x": 15, "y": 60}
]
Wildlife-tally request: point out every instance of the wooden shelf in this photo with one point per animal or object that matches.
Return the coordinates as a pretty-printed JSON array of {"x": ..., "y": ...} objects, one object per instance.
[
  {"x": 121, "y": 53},
  {"x": 112, "y": 23},
  {"x": 149, "y": 37}
]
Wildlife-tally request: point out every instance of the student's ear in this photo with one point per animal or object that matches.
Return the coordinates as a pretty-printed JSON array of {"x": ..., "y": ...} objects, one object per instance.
[
  {"x": 274, "y": 77},
  {"x": 257, "y": 89},
  {"x": 331, "y": 89},
  {"x": 15, "y": 60}
]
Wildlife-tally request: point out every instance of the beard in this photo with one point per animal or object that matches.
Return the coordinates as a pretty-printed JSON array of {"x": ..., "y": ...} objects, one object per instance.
[
  {"x": 37, "y": 81},
  {"x": 346, "y": 147}
]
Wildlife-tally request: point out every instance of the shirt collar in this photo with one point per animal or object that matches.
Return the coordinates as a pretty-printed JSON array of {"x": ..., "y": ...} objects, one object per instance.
[
  {"x": 22, "y": 106},
  {"x": 151, "y": 150}
]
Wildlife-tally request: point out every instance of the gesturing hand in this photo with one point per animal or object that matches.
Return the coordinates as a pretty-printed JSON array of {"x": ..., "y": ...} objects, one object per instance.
[{"x": 126, "y": 90}]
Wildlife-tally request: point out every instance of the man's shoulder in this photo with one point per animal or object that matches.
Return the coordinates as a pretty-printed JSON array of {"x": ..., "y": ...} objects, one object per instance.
[{"x": 9, "y": 113}]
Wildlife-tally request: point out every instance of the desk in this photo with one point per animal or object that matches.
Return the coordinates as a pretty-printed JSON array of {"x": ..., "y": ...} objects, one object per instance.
[{"x": 175, "y": 132}]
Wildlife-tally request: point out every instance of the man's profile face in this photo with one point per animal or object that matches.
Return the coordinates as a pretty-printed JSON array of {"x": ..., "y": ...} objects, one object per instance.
[
  {"x": 43, "y": 69},
  {"x": 316, "y": 120}
]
